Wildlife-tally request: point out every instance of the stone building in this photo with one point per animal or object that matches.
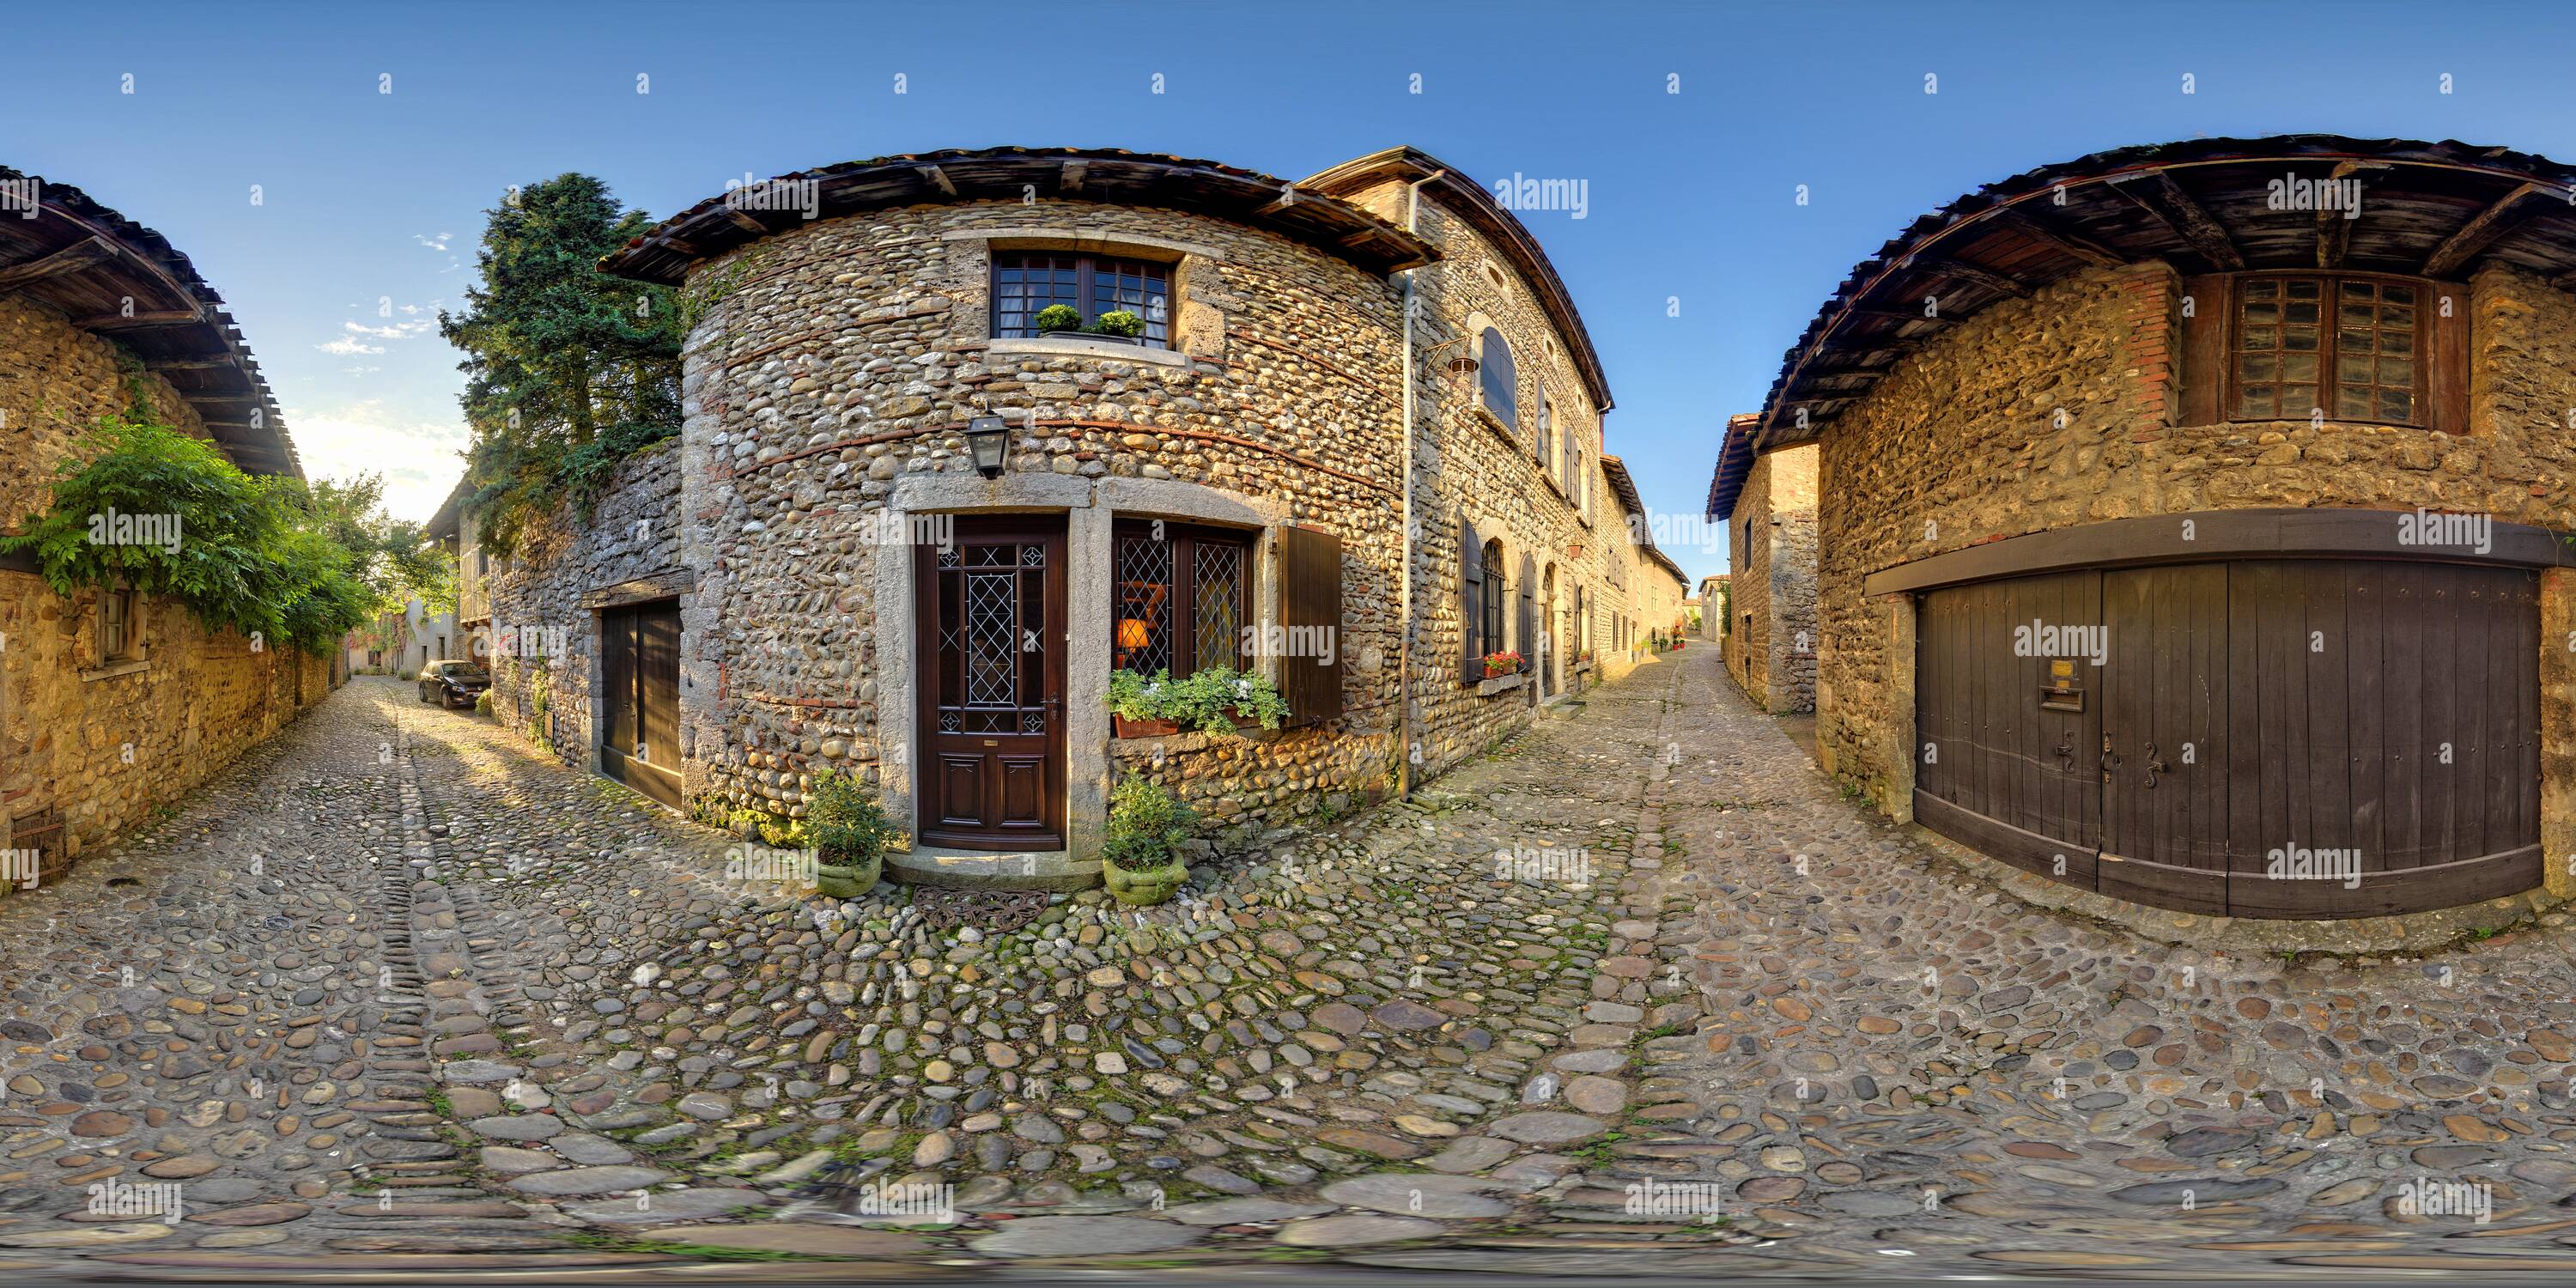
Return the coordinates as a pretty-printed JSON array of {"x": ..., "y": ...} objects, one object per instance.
[
  {"x": 1713, "y": 599},
  {"x": 2186, "y": 524},
  {"x": 821, "y": 572},
  {"x": 1768, "y": 503},
  {"x": 114, "y": 704}
]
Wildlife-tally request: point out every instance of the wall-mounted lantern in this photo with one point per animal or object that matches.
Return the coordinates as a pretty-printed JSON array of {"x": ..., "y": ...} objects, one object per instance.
[{"x": 987, "y": 439}]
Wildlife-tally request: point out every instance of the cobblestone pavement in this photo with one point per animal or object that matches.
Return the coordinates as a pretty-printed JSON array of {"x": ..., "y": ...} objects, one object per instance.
[{"x": 398, "y": 994}]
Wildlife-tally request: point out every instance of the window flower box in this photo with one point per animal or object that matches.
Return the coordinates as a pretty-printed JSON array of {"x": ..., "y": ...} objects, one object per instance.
[
  {"x": 1126, "y": 728},
  {"x": 1505, "y": 663}
]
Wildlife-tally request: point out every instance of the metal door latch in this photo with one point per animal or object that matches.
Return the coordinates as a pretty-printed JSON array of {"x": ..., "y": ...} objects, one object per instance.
[{"x": 2155, "y": 767}]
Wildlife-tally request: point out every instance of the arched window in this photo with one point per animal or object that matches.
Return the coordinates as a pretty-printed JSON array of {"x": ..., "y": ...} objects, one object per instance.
[
  {"x": 1546, "y": 432},
  {"x": 1495, "y": 596},
  {"x": 1498, "y": 382}
]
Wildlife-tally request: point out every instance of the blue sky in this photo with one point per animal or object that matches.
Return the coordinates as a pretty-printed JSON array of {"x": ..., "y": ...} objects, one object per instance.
[{"x": 373, "y": 200}]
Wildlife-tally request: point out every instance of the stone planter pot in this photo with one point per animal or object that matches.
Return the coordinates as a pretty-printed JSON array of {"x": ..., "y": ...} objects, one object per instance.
[
  {"x": 1126, "y": 728},
  {"x": 848, "y": 881},
  {"x": 1148, "y": 887}
]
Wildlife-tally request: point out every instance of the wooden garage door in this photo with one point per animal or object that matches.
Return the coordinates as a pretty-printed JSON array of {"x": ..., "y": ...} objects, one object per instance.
[
  {"x": 2263, "y": 738},
  {"x": 639, "y": 729}
]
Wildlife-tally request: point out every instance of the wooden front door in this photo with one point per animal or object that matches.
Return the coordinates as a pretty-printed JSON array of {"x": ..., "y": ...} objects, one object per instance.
[
  {"x": 639, "y": 727},
  {"x": 990, "y": 616}
]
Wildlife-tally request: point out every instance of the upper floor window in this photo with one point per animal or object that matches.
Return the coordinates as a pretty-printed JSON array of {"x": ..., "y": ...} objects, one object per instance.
[
  {"x": 1027, "y": 283},
  {"x": 1546, "y": 432},
  {"x": 1497, "y": 381},
  {"x": 2354, "y": 347},
  {"x": 1495, "y": 593}
]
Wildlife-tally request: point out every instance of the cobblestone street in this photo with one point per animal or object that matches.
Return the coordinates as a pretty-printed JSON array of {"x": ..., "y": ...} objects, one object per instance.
[{"x": 399, "y": 993}]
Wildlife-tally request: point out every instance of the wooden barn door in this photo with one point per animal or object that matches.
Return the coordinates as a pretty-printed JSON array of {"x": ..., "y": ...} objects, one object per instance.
[
  {"x": 2164, "y": 737},
  {"x": 2243, "y": 710},
  {"x": 991, "y": 619},
  {"x": 2391, "y": 709},
  {"x": 1999, "y": 764},
  {"x": 639, "y": 729}
]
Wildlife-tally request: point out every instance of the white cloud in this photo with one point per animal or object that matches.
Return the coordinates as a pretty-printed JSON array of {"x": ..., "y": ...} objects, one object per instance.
[
  {"x": 349, "y": 345},
  {"x": 434, "y": 243},
  {"x": 398, "y": 331},
  {"x": 416, "y": 454}
]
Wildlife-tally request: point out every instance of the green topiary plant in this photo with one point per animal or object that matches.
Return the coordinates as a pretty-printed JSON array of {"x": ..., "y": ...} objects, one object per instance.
[
  {"x": 1141, "y": 853},
  {"x": 844, "y": 822},
  {"x": 1059, "y": 317},
  {"x": 1119, "y": 322}
]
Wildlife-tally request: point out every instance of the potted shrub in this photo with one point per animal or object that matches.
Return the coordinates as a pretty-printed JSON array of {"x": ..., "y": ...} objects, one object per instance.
[
  {"x": 849, "y": 832},
  {"x": 1498, "y": 665},
  {"x": 1118, "y": 324},
  {"x": 1058, "y": 317},
  {"x": 1140, "y": 860}
]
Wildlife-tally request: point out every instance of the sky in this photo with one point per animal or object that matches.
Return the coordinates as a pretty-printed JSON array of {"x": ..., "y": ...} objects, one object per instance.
[{"x": 377, "y": 136}]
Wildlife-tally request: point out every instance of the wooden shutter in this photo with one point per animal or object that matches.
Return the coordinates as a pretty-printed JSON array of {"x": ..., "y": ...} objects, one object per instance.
[
  {"x": 2204, "y": 350},
  {"x": 1310, "y": 604},
  {"x": 2446, "y": 378},
  {"x": 1471, "y": 602},
  {"x": 1528, "y": 623}
]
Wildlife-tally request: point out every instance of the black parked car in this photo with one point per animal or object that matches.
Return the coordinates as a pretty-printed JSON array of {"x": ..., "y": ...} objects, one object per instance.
[{"x": 453, "y": 684}]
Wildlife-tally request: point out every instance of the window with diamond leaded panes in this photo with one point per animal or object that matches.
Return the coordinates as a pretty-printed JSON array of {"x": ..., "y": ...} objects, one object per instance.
[
  {"x": 2352, "y": 346},
  {"x": 1182, "y": 598},
  {"x": 1026, "y": 282}
]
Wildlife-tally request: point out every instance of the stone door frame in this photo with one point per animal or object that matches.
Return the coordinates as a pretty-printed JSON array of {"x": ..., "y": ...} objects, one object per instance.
[{"x": 1090, "y": 507}]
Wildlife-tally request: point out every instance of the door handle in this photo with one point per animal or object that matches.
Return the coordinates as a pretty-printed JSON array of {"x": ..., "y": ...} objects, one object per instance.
[
  {"x": 2155, "y": 767},
  {"x": 2066, "y": 755},
  {"x": 2110, "y": 758}
]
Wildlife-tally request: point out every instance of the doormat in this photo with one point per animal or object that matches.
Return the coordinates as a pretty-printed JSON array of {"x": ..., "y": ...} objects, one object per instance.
[{"x": 941, "y": 909}]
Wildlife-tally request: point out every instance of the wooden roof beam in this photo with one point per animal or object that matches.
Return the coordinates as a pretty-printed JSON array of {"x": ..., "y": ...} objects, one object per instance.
[
  {"x": 140, "y": 319},
  {"x": 2495, "y": 221},
  {"x": 2156, "y": 193},
  {"x": 936, "y": 178},
  {"x": 1897, "y": 315},
  {"x": 742, "y": 219},
  {"x": 2083, "y": 248},
  {"x": 70, "y": 259},
  {"x": 1972, "y": 274},
  {"x": 1072, "y": 175},
  {"x": 188, "y": 364},
  {"x": 2334, "y": 228}
]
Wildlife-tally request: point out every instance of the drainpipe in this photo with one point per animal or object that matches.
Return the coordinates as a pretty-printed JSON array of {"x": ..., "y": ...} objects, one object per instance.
[{"x": 1404, "y": 658}]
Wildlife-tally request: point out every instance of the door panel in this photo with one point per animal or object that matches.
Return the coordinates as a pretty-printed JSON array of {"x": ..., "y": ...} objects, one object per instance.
[
  {"x": 1988, "y": 754},
  {"x": 639, "y": 729},
  {"x": 2164, "y": 705},
  {"x": 991, "y": 620}
]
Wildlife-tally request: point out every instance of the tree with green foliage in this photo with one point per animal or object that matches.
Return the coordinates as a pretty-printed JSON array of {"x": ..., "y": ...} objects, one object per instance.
[
  {"x": 241, "y": 552},
  {"x": 397, "y": 559},
  {"x": 568, "y": 370}
]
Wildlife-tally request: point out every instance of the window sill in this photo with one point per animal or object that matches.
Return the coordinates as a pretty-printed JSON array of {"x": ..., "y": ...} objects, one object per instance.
[
  {"x": 113, "y": 669},
  {"x": 1066, "y": 347},
  {"x": 1501, "y": 684},
  {"x": 1495, "y": 423}
]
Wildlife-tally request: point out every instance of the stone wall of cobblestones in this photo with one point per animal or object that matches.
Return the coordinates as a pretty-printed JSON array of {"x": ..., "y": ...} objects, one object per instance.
[
  {"x": 1771, "y": 554},
  {"x": 1964, "y": 443},
  {"x": 1560, "y": 516},
  {"x": 107, "y": 745},
  {"x": 856, "y": 349},
  {"x": 536, "y": 595}
]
